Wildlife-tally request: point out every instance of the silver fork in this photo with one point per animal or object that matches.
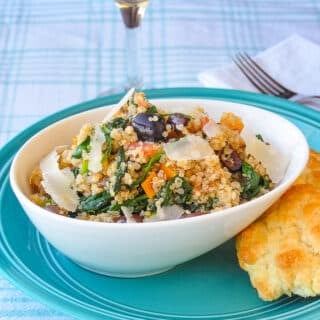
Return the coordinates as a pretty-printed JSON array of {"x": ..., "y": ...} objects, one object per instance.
[{"x": 265, "y": 83}]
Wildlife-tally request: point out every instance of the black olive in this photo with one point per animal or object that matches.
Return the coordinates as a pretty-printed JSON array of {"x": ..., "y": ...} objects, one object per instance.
[
  {"x": 149, "y": 126},
  {"x": 230, "y": 159},
  {"x": 176, "y": 119}
]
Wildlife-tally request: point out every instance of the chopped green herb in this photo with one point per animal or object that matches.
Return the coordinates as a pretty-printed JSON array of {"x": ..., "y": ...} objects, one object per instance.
[
  {"x": 96, "y": 203},
  {"x": 85, "y": 167},
  {"x": 121, "y": 169},
  {"x": 83, "y": 146},
  {"x": 146, "y": 169},
  {"x": 175, "y": 195},
  {"x": 259, "y": 137},
  {"x": 75, "y": 171},
  {"x": 47, "y": 202}
]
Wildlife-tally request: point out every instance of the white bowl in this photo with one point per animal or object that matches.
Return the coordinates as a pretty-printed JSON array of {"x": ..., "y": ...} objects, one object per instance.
[{"x": 131, "y": 250}]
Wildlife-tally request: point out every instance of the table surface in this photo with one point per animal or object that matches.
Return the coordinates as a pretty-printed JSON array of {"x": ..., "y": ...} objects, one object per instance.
[{"x": 57, "y": 53}]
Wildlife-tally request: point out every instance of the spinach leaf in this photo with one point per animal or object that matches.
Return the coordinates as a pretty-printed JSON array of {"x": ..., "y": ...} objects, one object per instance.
[
  {"x": 171, "y": 195},
  {"x": 96, "y": 203},
  {"x": 115, "y": 123},
  {"x": 106, "y": 129},
  {"x": 72, "y": 214},
  {"x": 75, "y": 171},
  {"x": 146, "y": 169},
  {"x": 121, "y": 169},
  {"x": 251, "y": 183},
  {"x": 152, "y": 109},
  {"x": 108, "y": 149},
  {"x": 131, "y": 101},
  {"x": 264, "y": 183},
  {"x": 83, "y": 146},
  {"x": 202, "y": 207},
  {"x": 138, "y": 204}
]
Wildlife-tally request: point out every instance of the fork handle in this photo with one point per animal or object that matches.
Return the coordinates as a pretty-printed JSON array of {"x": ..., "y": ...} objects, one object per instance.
[{"x": 303, "y": 98}]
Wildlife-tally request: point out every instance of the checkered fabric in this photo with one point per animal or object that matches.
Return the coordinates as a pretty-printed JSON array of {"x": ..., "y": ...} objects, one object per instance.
[{"x": 57, "y": 53}]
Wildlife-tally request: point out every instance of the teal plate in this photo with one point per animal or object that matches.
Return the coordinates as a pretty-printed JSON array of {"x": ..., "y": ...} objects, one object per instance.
[{"x": 209, "y": 287}]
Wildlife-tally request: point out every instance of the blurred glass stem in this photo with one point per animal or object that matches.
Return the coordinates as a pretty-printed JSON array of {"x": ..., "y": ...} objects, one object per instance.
[
  {"x": 132, "y": 12},
  {"x": 133, "y": 58}
]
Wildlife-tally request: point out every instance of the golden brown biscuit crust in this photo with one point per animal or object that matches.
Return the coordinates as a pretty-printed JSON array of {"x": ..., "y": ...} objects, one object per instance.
[
  {"x": 281, "y": 250},
  {"x": 311, "y": 174}
]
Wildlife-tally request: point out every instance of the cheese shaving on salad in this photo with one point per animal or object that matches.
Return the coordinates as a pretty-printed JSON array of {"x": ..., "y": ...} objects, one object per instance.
[
  {"x": 95, "y": 154},
  {"x": 191, "y": 147},
  {"x": 59, "y": 182},
  {"x": 272, "y": 159}
]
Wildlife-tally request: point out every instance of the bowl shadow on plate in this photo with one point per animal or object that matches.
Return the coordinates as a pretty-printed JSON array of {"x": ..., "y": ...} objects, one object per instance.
[
  {"x": 210, "y": 284},
  {"x": 211, "y": 280}
]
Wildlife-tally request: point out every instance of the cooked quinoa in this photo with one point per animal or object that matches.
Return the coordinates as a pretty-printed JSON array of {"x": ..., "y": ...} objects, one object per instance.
[{"x": 129, "y": 169}]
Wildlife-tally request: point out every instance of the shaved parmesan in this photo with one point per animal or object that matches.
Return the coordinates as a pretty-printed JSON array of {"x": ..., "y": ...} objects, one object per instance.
[
  {"x": 272, "y": 159},
  {"x": 117, "y": 107},
  {"x": 191, "y": 147},
  {"x": 166, "y": 213},
  {"x": 211, "y": 129},
  {"x": 59, "y": 184},
  {"x": 128, "y": 214},
  {"x": 95, "y": 154}
]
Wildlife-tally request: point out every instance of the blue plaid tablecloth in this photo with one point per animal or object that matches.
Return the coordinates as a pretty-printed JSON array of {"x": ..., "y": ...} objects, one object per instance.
[{"x": 57, "y": 53}]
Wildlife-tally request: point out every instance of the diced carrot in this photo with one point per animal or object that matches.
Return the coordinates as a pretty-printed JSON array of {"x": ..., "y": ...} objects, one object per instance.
[
  {"x": 169, "y": 172},
  {"x": 147, "y": 185}
]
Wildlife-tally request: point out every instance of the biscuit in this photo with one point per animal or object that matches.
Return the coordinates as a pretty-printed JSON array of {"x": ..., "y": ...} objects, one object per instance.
[
  {"x": 311, "y": 173},
  {"x": 281, "y": 250}
]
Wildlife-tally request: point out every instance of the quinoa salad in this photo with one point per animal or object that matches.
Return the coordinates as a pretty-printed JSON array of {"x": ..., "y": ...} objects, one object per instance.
[{"x": 145, "y": 164}]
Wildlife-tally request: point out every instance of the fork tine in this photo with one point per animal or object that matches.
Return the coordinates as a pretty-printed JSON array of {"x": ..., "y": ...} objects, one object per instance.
[
  {"x": 258, "y": 74},
  {"x": 251, "y": 76},
  {"x": 283, "y": 91}
]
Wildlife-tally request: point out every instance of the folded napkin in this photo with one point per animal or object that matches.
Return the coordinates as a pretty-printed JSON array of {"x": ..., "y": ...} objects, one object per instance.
[{"x": 294, "y": 62}]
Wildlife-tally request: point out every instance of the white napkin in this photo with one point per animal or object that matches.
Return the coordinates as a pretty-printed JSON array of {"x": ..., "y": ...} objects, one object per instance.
[{"x": 294, "y": 62}]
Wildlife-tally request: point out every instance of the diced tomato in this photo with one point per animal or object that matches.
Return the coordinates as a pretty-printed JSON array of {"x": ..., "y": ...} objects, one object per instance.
[
  {"x": 195, "y": 126},
  {"x": 204, "y": 120},
  {"x": 148, "y": 148}
]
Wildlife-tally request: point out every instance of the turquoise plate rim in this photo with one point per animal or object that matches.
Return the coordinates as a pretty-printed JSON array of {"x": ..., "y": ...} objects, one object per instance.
[{"x": 9, "y": 149}]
